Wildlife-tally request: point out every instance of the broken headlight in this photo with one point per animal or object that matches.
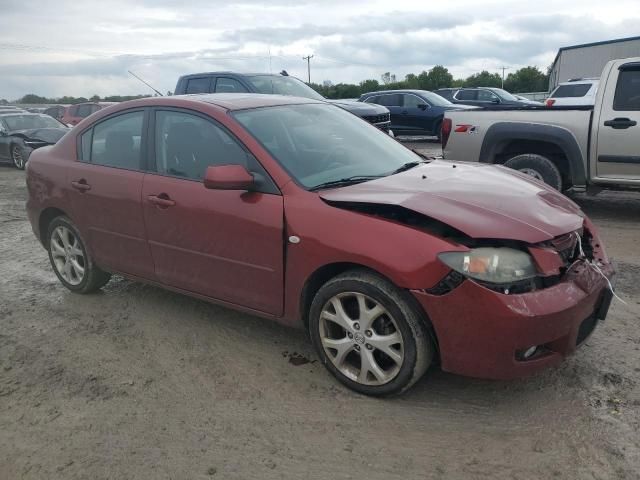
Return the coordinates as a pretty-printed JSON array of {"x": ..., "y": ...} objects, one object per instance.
[{"x": 492, "y": 265}]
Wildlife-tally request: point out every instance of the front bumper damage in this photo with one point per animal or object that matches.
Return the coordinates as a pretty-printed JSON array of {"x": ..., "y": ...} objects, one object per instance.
[{"x": 483, "y": 333}]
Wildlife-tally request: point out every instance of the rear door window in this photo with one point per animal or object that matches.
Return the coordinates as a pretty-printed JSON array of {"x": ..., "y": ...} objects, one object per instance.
[
  {"x": 390, "y": 100},
  {"x": 229, "y": 85},
  {"x": 115, "y": 142},
  {"x": 571, "y": 91},
  {"x": 198, "y": 85},
  {"x": 466, "y": 95},
  {"x": 627, "y": 96}
]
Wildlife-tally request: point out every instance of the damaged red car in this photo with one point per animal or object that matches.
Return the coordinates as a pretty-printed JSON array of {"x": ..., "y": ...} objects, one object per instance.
[{"x": 300, "y": 212}]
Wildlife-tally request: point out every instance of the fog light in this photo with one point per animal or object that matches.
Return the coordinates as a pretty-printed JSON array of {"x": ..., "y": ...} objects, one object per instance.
[{"x": 529, "y": 352}]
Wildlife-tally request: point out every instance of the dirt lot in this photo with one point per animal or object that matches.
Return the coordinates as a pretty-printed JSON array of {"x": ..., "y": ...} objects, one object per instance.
[{"x": 136, "y": 382}]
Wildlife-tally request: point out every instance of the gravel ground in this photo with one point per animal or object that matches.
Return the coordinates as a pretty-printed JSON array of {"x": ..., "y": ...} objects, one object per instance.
[{"x": 137, "y": 382}]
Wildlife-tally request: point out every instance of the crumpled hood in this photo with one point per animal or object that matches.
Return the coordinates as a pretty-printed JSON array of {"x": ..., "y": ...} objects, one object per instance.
[
  {"x": 360, "y": 108},
  {"x": 48, "y": 136},
  {"x": 482, "y": 201}
]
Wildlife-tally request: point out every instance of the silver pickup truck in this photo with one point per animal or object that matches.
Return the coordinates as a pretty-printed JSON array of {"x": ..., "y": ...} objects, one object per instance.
[{"x": 570, "y": 148}]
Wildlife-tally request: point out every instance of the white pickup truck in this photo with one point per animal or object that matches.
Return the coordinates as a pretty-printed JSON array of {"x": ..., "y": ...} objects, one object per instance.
[{"x": 570, "y": 148}]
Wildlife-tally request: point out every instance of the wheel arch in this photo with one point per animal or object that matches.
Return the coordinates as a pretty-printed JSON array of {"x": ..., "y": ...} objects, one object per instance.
[
  {"x": 505, "y": 139},
  {"x": 323, "y": 274},
  {"x": 45, "y": 219}
]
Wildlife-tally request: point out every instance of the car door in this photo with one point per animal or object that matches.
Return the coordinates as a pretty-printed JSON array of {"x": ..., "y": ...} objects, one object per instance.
[
  {"x": 418, "y": 116},
  {"x": 105, "y": 185},
  {"x": 619, "y": 125},
  {"x": 486, "y": 98},
  {"x": 466, "y": 96},
  {"x": 393, "y": 101},
  {"x": 224, "y": 244}
]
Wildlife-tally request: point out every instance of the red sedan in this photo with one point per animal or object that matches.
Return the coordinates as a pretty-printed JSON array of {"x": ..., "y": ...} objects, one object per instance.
[{"x": 298, "y": 211}]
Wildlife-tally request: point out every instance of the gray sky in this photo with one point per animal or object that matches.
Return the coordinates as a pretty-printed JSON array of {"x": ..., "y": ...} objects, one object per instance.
[{"x": 77, "y": 47}]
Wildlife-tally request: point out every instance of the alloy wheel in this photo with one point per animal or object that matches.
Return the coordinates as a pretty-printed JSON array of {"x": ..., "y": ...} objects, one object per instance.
[
  {"x": 532, "y": 173},
  {"x": 16, "y": 156},
  {"x": 361, "y": 338},
  {"x": 68, "y": 255}
]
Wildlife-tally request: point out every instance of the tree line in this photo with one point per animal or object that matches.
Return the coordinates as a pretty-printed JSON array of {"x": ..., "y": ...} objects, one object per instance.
[{"x": 527, "y": 79}]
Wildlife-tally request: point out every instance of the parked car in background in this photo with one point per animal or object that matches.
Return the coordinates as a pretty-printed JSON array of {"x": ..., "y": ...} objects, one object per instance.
[
  {"x": 573, "y": 148},
  {"x": 22, "y": 132},
  {"x": 574, "y": 92},
  {"x": 413, "y": 112},
  {"x": 483, "y": 97},
  {"x": 295, "y": 210},
  {"x": 74, "y": 114},
  {"x": 56, "y": 111},
  {"x": 10, "y": 109},
  {"x": 232, "y": 82}
]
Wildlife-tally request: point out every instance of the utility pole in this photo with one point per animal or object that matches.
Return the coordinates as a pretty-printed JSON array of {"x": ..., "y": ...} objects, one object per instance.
[
  {"x": 503, "y": 69},
  {"x": 308, "y": 58}
]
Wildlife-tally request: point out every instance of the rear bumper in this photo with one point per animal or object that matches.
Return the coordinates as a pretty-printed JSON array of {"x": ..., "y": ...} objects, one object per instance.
[{"x": 481, "y": 332}]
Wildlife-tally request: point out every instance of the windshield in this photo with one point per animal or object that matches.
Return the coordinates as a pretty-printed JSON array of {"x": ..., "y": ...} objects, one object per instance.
[
  {"x": 503, "y": 94},
  {"x": 435, "y": 99},
  {"x": 319, "y": 143},
  {"x": 27, "y": 122},
  {"x": 283, "y": 86}
]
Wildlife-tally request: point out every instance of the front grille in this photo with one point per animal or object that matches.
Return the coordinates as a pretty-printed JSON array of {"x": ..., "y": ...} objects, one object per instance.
[{"x": 385, "y": 117}]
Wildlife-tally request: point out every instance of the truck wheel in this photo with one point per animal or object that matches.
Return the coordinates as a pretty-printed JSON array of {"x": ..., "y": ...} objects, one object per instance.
[
  {"x": 369, "y": 335},
  {"x": 537, "y": 166}
]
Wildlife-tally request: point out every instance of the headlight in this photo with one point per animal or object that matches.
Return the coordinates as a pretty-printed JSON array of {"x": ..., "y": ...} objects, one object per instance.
[{"x": 493, "y": 265}]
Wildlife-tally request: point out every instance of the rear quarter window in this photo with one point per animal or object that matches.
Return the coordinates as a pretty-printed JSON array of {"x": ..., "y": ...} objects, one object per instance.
[{"x": 572, "y": 91}]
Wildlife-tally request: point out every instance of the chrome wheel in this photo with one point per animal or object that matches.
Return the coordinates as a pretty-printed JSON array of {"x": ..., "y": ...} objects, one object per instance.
[
  {"x": 361, "y": 338},
  {"x": 532, "y": 173},
  {"x": 67, "y": 254},
  {"x": 16, "y": 156}
]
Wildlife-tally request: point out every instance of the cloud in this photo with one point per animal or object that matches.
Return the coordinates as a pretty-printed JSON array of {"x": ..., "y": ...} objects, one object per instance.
[{"x": 82, "y": 48}]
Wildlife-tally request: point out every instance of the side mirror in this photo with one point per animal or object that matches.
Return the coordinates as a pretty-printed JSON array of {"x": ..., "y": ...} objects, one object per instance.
[
  {"x": 228, "y": 177},
  {"x": 422, "y": 106},
  {"x": 495, "y": 100}
]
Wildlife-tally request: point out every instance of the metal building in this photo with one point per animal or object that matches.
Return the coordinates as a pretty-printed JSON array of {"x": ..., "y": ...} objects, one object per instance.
[{"x": 588, "y": 60}]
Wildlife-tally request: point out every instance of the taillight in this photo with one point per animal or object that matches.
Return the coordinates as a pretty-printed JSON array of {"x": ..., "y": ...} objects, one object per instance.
[
  {"x": 445, "y": 131},
  {"x": 550, "y": 102}
]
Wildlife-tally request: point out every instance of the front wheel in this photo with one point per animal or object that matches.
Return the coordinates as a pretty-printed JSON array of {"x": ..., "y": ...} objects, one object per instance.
[
  {"x": 17, "y": 157},
  {"x": 70, "y": 260},
  {"x": 538, "y": 167},
  {"x": 369, "y": 334}
]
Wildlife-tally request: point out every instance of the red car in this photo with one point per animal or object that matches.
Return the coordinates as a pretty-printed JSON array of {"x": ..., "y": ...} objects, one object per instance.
[
  {"x": 74, "y": 114},
  {"x": 300, "y": 212}
]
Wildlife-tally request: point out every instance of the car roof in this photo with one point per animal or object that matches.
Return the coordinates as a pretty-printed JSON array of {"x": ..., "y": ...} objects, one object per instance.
[
  {"x": 402, "y": 90},
  {"x": 231, "y": 101},
  {"x": 227, "y": 72},
  {"x": 22, "y": 114}
]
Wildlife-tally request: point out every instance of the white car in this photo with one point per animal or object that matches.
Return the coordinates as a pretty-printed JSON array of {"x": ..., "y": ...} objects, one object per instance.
[{"x": 574, "y": 93}]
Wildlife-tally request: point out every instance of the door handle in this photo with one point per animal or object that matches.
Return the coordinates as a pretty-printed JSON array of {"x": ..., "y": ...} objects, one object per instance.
[
  {"x": 620, "y": 123},
  {"x": 162, "y": 200},
  {"x": 81, "y": 185},
  {"x": 404, "y": 112}
]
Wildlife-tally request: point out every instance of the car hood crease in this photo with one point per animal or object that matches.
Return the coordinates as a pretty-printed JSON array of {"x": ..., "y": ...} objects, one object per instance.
[{"x": 496, "y": 203}]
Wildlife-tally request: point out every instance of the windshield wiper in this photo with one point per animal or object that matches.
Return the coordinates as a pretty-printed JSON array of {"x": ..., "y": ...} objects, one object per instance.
[
  {"x": 406, "y": 166},
  {"x": 344, "y": 182},
  {"x": 420, "y": 154}
]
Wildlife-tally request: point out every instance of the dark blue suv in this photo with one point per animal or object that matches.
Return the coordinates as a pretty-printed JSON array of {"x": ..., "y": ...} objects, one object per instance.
[
  {"x": 283, "y": 84},
  {"x": 413, "y": 112}
]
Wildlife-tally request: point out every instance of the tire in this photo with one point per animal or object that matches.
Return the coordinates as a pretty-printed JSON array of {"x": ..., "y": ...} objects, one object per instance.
[
  {"x": 68, "y": 256},
  {"x": 17, "y": 157},
  {"x": 401, "y": 320},
  {"x": 537, "y": 166}
]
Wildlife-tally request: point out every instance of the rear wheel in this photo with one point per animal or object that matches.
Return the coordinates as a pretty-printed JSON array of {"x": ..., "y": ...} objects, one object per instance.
[
  {"x": 17, "y": 157},
  {"x": 70, "y": 260},
  {"x": 369, "y": 335},
  {"x": 538, "y": 167}
]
